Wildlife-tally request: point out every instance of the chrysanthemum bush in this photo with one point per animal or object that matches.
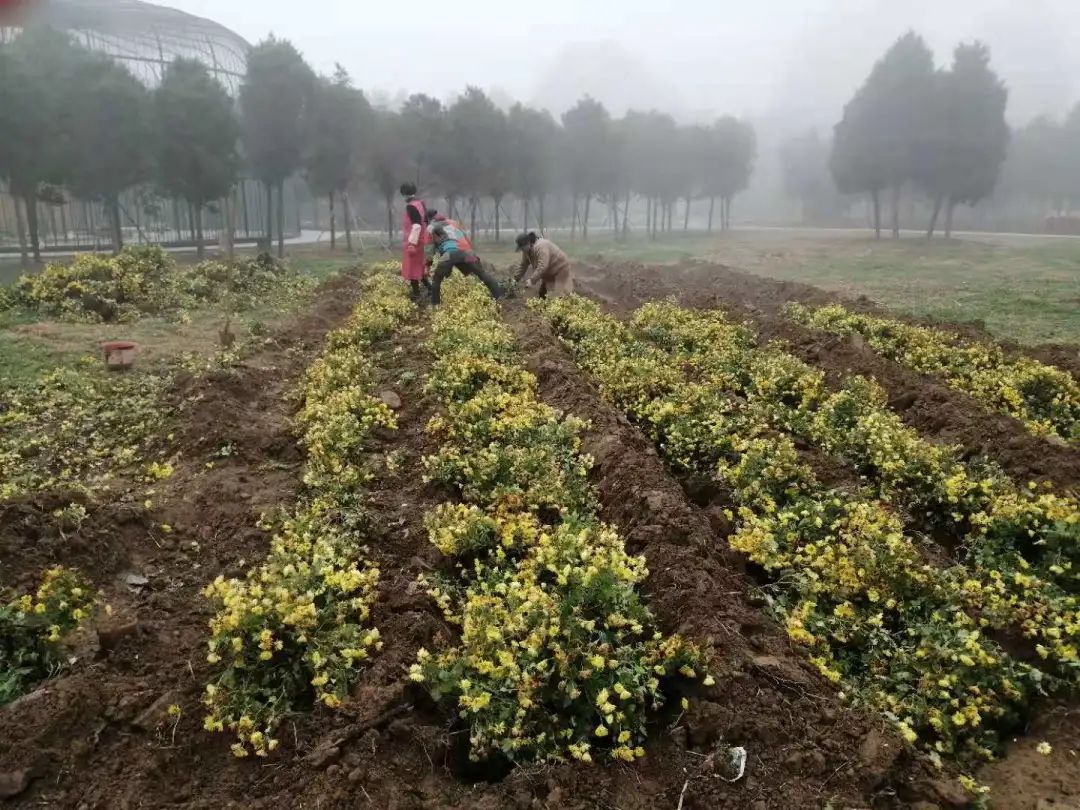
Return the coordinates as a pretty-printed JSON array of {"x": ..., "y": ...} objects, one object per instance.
[
  {"x": 558, "y": 657},
  {"x": 1046, "y": 399},
  {"x": 144, "y": 280},
  {"x": 33, "y": 626},
  {"x": 296, "y": 629},
  {"x": 894, "y": 630},
  {"x": 1021, "y": 543}
]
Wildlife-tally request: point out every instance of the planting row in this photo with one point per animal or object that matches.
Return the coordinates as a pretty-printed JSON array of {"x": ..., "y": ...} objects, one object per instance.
[
  {"x": 896, "y": 631},
  {"x": 295, "y": 629},
  {"x": 1045, "y": 399},
  {"x": 557, "y": 655},
  {"x": 1022, "y": 544}
]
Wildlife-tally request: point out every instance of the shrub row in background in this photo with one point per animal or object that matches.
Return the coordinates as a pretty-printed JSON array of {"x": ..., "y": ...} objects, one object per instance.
[
  {"x": 558, "y": 657},
  {"x": 145, "y": 280},
  {"x": 1045, "y": 399}
]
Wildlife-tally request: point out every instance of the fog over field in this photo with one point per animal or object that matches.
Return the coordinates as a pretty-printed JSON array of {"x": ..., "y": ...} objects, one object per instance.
[{"x": 793, "y": 61}]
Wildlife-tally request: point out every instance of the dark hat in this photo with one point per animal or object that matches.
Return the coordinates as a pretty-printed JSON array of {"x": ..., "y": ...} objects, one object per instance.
[
  {"x": 407, "y": 189},
  {"x": 524, "y": 240}
]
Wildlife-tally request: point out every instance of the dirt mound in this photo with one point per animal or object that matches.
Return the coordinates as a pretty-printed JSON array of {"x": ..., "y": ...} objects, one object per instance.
[{"x": 938, "y": 412}]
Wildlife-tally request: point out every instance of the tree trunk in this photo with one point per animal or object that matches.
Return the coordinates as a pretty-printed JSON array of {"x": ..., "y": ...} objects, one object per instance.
[
  {"x": 229, "y": 207},
  {"x": 191, "y": 220},
  {"x": 686, "y": 216},
  {"x": 585, "y": 219},
  {"x": 244, "y": 203},
  {"x": 875, "y": 197},
  {"x": 281, "y": 220},
  {"x": 30, "y": 201},
  {"x": 346, "y": 211},
  {"x": 573, "y": 218},
  {"x": 269, "y": 217},
  {"x": 540, "y": 219},
  {"x": 896, "y": 211},
  {"x": 648, "y": 216},
  {"x": 933, "y": 217},
  {"x": 950, "y": 207},
  {"x": 525, "y": 214},
  {"x": 333, "y": 223},
  {"x": 20, "y": 225},
  {"x": 614, "y": 210},
  {"x": 389, "y": 220},
  {"x": 112, "y": 208},
  {"x": 200, "y": 251},
  {"x": 473, "y": 202},
  {"x": 626, "y": 217},
  {"x": 712, "y": 205},
  {"x": 498, "y": 223}
]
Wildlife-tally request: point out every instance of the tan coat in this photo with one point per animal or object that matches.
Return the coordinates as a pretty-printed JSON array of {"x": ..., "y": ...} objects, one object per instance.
[{"x": 549, "y": 265}]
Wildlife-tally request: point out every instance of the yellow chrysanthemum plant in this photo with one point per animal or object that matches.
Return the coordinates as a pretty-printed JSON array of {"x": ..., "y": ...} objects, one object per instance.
[
  {"x": 849, "y": 585},
  {"x": 296, "y": 630},
  {"x": 1022, "y": 542},
  {"x": 558, "y": 657},
  {"x": 1045, "y": 399},
  {"x": 34, "y": 625}
]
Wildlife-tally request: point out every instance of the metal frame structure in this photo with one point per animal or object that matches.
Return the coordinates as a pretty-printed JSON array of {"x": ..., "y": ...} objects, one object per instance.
[{"x": 145, "y": 37}]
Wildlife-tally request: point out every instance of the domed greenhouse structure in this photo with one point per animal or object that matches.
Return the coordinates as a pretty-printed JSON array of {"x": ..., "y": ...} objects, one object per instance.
[{"x": 145, "y": 38}]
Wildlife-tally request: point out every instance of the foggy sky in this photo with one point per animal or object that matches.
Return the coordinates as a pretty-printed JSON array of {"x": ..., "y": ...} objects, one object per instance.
[{"x": 791, "y": 62}]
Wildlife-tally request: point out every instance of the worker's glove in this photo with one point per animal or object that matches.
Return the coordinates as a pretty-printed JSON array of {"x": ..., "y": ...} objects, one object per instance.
[
  {"x": 412, "y": 250},
  {"x": 528, "y": 284}
]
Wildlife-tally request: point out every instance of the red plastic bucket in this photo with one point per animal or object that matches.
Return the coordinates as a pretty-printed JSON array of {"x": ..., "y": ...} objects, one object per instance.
[{"x": 119, "y": 354}]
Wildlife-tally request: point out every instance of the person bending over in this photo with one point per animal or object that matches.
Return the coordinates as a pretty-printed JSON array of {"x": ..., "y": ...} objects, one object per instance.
[
  {"x": 549, "y": 265},
  {"x": 450, "y": 255}
]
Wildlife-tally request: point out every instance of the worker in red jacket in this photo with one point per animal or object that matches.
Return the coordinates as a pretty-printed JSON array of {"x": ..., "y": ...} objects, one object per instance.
[{"x": 414, "y": 237}]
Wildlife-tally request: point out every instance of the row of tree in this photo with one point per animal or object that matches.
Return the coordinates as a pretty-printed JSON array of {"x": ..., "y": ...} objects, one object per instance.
[
  {"x": 75, "y": 122},
  {"x": 910, "y": 125}
]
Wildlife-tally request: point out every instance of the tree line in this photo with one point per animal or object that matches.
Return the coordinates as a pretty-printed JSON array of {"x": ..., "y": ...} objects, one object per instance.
[
  {"x": 74, "y": 122},
  {"x": 910, "y": 125}
]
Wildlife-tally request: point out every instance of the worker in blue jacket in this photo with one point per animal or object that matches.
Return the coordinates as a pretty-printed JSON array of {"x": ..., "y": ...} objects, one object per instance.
[{"x": 451, "y": 253}]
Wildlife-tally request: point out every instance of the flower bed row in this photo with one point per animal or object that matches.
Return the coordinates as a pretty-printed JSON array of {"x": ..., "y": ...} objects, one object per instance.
[
  {"x": 1021, "y": 544},
  {"x": 1045, "y": 399},
  {"x": 848, "y": 583},
  {"x": 295, "y": 630},
  {"x": 558, "y": 657}
]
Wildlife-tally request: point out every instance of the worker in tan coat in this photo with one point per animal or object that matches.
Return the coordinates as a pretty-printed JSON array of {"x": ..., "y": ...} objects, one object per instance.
[{"x": 549, "y": 265}]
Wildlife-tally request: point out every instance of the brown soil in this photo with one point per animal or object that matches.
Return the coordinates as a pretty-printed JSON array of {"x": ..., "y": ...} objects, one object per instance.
[
  {"x": 938, "y": 412},
  {"x": 1024, "y": 779}
]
